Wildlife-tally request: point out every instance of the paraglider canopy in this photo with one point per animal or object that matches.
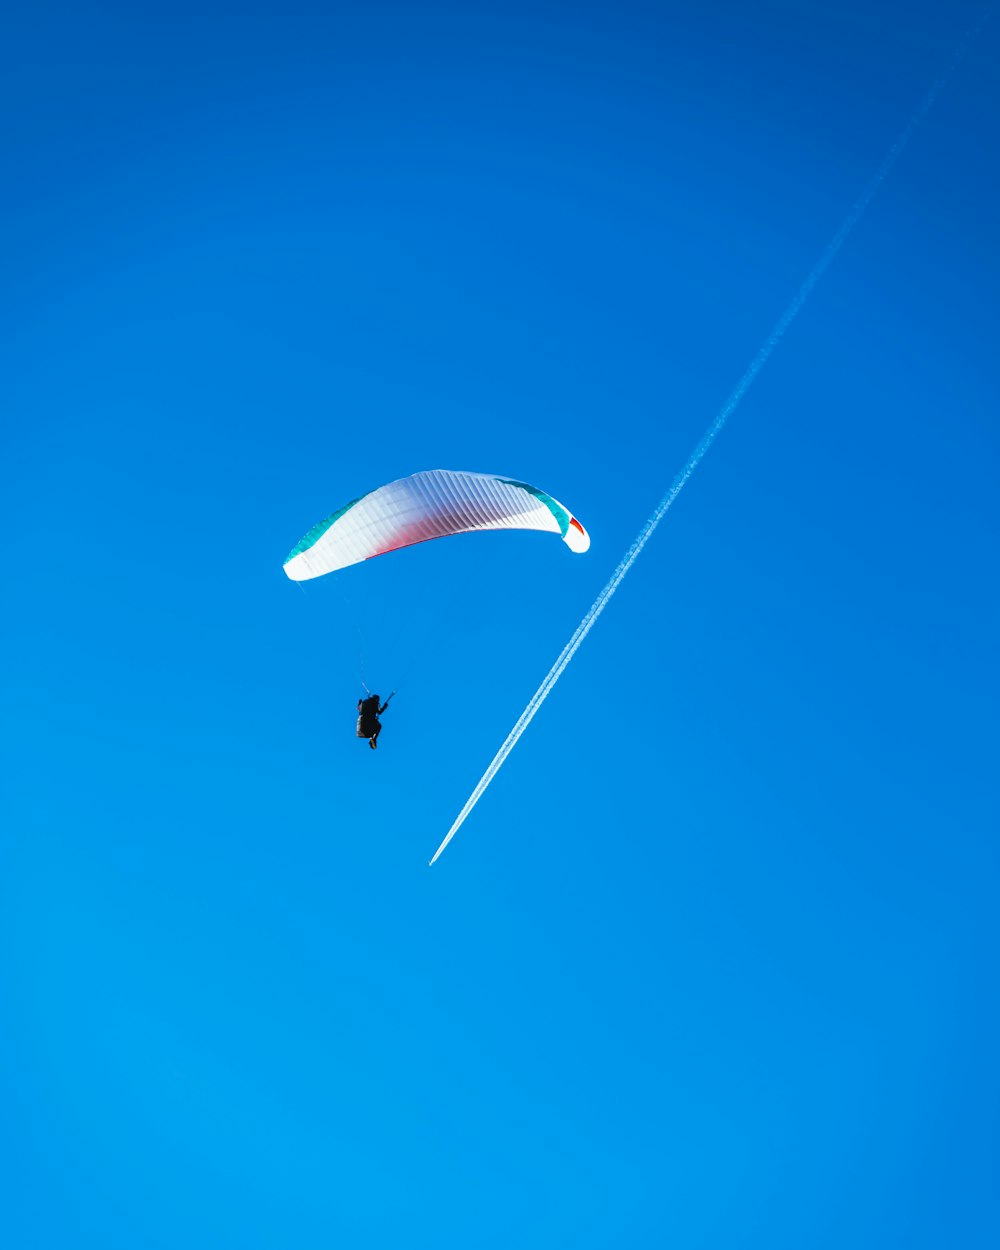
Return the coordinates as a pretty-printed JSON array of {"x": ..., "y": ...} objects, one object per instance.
[{"x": 435, "y": 503}]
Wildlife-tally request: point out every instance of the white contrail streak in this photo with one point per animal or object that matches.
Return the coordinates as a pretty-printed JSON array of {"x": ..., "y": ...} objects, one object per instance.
[{"x": 709, "y": 437}]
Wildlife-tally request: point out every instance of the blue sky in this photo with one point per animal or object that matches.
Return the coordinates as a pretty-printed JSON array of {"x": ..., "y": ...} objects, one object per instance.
[{"x": 713, "y": 963}]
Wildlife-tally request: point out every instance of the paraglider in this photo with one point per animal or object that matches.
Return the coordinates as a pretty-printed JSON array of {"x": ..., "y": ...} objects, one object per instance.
[
  {"x": 435, "y": 503},
  {"x": 369, "y": 725}
]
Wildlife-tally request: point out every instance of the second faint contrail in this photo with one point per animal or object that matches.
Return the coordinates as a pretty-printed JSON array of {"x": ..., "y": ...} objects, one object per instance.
[{"x": 708, "y": 438}]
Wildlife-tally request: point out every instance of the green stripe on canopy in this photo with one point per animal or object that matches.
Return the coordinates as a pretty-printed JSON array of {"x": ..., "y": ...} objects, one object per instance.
[
  {"x": 557, "y": 510},
  {"x": 320, "y": 528}
]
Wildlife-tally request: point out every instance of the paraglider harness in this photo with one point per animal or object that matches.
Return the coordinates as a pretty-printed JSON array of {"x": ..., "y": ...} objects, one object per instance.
[{"x": 369, "y": 712}]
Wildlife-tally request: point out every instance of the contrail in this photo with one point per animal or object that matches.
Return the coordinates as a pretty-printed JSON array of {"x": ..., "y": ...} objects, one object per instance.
[{"x": 710, "y": 435}]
